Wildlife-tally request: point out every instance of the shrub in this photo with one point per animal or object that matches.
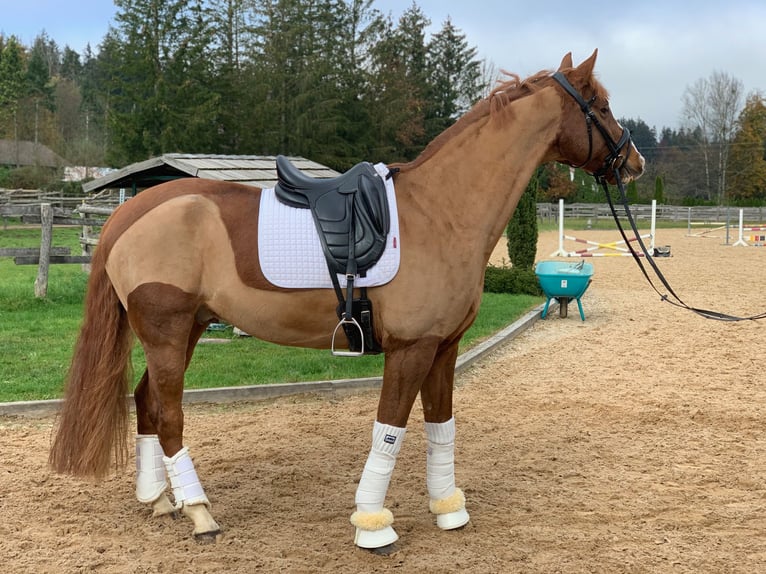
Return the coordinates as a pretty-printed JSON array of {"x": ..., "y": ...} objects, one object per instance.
[{"x": 516, "y": 280}]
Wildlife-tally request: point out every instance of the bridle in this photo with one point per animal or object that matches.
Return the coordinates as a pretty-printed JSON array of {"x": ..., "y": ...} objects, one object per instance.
[
  {"x": 613, "y": 163},
  {"x": 614, "y": 160}
]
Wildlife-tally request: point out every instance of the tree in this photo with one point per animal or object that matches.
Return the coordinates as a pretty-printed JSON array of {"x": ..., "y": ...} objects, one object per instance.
[
  {"x": 454, "y": 78},
  {"x": 397, "y": 92},
  {"x": 711, "y": 107},
  {"x": 659, "y": 190},
  {"x": 12, "y": 86},
  {"x": 522, "y": 228},
  {"x": 40, "y": 86},
  {"x": 159, "y": 79},
  {"x": 748, "y": 156},
  {"x": 556, "y": 181},
  {"x": 644, "y": 137},
  {"x": 234, "y": 47}
]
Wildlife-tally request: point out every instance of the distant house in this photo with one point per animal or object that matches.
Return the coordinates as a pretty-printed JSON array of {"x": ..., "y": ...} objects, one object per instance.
[{"x": 21, "y": 153}]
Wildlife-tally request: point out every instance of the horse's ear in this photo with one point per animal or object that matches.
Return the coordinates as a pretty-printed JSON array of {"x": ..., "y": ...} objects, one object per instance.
[
  {"x": 586, "y": 68},
  {"x": 566, "y": 62}
]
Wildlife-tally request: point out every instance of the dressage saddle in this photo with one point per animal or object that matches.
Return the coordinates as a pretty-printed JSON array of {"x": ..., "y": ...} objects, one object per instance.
[{"x": 352, "y": 219}]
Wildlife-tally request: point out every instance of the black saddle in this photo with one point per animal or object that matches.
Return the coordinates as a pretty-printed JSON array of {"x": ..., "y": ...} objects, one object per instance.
[
  {"x": 350, "y": 213},
  {"x": 352, "y": 219}
]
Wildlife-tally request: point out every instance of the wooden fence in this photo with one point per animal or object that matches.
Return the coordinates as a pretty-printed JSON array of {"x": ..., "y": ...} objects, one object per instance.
[
  {"x": 90, "y": 213},
  {"x": 549, "y": 212},
  {"x": 44, "y": 214}
]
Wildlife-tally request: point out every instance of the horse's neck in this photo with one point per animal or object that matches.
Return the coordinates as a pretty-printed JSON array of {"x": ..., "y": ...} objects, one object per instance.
[{"x": 474, "y": 181}]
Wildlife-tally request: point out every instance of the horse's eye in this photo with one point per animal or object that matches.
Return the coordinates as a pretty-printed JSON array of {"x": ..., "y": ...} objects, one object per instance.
[{"x": 605, "y": 110}]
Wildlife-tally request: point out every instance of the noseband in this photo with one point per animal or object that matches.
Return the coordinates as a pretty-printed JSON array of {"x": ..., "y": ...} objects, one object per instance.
[{"x": 614, "y": 161}]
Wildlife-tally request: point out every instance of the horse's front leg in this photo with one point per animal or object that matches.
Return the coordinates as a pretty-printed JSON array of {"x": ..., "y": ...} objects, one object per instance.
[
  {"x": 447, "y": 501},
  {"x": 404, "y": 372}
]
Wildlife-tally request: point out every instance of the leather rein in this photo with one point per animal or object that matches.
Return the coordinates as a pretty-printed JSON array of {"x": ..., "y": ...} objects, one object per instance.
[{"x": 613, "y": 163}]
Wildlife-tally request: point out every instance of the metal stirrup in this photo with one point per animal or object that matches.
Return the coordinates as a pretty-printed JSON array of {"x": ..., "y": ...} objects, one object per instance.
[{"x": 345, "y": 321}]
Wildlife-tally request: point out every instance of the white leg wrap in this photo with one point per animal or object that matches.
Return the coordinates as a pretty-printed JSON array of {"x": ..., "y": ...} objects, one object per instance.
[
  {"x": 372, "y": 520},
  {"x": 187, "y": 489},
  {"x": 150, "y": 470},
  {"x": 447, "y": 501},
  {"x": 440, "y": 462}
]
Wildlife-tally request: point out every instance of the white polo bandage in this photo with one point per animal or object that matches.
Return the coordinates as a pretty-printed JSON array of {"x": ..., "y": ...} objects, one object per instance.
[
  {"x": 151, "y": 480},
  {"x": 440, "y": 464},
  {"x": 371, "y": 492},
  {"x": 187, "y": 489}
]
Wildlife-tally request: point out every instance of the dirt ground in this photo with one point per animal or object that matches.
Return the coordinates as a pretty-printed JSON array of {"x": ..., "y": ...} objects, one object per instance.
[{"x": 630, "y": 442}]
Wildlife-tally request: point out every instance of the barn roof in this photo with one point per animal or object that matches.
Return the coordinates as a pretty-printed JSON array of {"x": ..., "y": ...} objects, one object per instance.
[
  {"x": 256, "y": 170},
  {"x": 23, "y": 152}
]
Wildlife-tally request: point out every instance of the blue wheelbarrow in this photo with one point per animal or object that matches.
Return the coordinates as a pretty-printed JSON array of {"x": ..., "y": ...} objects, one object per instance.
[{"x": 563, "y": 282}]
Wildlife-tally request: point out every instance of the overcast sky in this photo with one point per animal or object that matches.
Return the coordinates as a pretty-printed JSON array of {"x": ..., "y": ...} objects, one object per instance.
[{"x": 649, "y": 51}]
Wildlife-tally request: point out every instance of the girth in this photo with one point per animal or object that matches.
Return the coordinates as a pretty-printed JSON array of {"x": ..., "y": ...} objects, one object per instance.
[{"x": 352, "y": 220}]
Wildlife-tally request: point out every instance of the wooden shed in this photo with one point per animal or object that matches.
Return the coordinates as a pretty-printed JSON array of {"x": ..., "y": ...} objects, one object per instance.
[{"x": 256, "y": 170}]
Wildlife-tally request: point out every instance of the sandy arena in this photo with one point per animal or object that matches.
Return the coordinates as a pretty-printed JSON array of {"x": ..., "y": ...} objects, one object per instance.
[{"x": 631, "y": 442}]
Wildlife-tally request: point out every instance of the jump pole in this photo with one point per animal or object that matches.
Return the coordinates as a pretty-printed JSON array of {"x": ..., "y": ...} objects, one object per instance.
[
  {"x": 704, "y": 232},
  {"x": 615, "y": 246},
  {"x": 742, "y": 229}
]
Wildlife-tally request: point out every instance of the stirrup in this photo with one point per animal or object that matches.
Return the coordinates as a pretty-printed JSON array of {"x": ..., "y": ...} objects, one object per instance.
[{"x": 347, "y": 353}]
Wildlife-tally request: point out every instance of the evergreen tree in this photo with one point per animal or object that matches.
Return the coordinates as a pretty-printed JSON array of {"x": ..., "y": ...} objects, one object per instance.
[
  {"x": 40, "y": 91},
  {"x": 398, "y": 95},
  {"x": 522, "y": 228},
  {"x": 234, "y": 48},
  {"x": 454, "y": 78},
  {"x": 12, "y": 86},
  {"x": 159, "y": 76},
  {"x": 659, "y": 190}
]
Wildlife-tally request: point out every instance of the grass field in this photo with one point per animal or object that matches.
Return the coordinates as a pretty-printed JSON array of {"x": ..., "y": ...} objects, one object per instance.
[{"x": 37, "y": 335}]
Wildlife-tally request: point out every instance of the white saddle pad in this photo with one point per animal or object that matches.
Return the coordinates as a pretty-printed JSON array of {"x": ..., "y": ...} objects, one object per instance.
[{"x": 291, "y": 255}]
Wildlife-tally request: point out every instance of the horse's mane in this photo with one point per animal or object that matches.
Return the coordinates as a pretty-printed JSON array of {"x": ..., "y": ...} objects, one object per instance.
[{"x": 510, "y": 87}]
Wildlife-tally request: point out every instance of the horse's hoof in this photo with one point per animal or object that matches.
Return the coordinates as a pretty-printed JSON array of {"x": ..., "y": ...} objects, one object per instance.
[
  {"x": 163, "y": 507},
  {"x": 375, "y": 539},
  {"x": 453, "y": 520},
  {"x": 208, "y": 537},
  {"x": 386, "y": 550}
]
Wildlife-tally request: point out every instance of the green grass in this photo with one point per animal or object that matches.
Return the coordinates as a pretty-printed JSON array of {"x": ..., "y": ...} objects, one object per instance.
[{"x": 37, "y": 335}]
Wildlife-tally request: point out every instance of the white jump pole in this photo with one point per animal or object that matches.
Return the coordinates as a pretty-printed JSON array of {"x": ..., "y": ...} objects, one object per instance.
[
  {"x": 741, "y": 240},
  {"x": 560, "y": 252}
]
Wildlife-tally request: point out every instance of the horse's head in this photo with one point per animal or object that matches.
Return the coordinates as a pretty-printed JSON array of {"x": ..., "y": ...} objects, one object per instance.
[{"x": 590, "y": 136}]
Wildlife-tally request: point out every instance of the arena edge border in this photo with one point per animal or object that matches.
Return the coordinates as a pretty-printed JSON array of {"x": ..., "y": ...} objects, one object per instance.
[{"x": 264, "y": 392}]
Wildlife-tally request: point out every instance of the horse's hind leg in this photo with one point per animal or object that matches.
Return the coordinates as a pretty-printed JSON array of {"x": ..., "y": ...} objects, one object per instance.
[
  {"x": 151, "y": 476},
  {"x": 163, "y": 318},
  {"x": 447, "y": 501}
]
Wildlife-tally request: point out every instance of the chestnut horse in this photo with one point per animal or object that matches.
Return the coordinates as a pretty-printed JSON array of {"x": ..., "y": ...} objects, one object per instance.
[{"x": 183, "y": 254}]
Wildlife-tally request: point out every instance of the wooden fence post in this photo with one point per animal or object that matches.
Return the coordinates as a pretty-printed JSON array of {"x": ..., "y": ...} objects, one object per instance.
[{"x": 46, "y": 235}]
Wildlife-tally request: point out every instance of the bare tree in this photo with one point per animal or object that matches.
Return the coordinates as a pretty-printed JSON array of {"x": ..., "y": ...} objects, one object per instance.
[{"x": 711, "y": 108}]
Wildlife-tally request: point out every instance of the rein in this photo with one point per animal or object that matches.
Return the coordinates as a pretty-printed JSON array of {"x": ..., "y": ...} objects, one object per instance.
[{"x": 612, "y": 165}]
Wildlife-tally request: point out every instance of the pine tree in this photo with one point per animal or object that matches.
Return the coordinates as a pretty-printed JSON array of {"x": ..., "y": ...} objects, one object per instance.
[
  {"x": 158, "y": 79},
  {"x": 522, "y": 228},
  {"x": 12, "y": 86},
  {"x": 454, "y": 78}
]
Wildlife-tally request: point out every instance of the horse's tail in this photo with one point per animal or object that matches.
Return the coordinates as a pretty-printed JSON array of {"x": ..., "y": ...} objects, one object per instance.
[{"x": 92, "y": 425}]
